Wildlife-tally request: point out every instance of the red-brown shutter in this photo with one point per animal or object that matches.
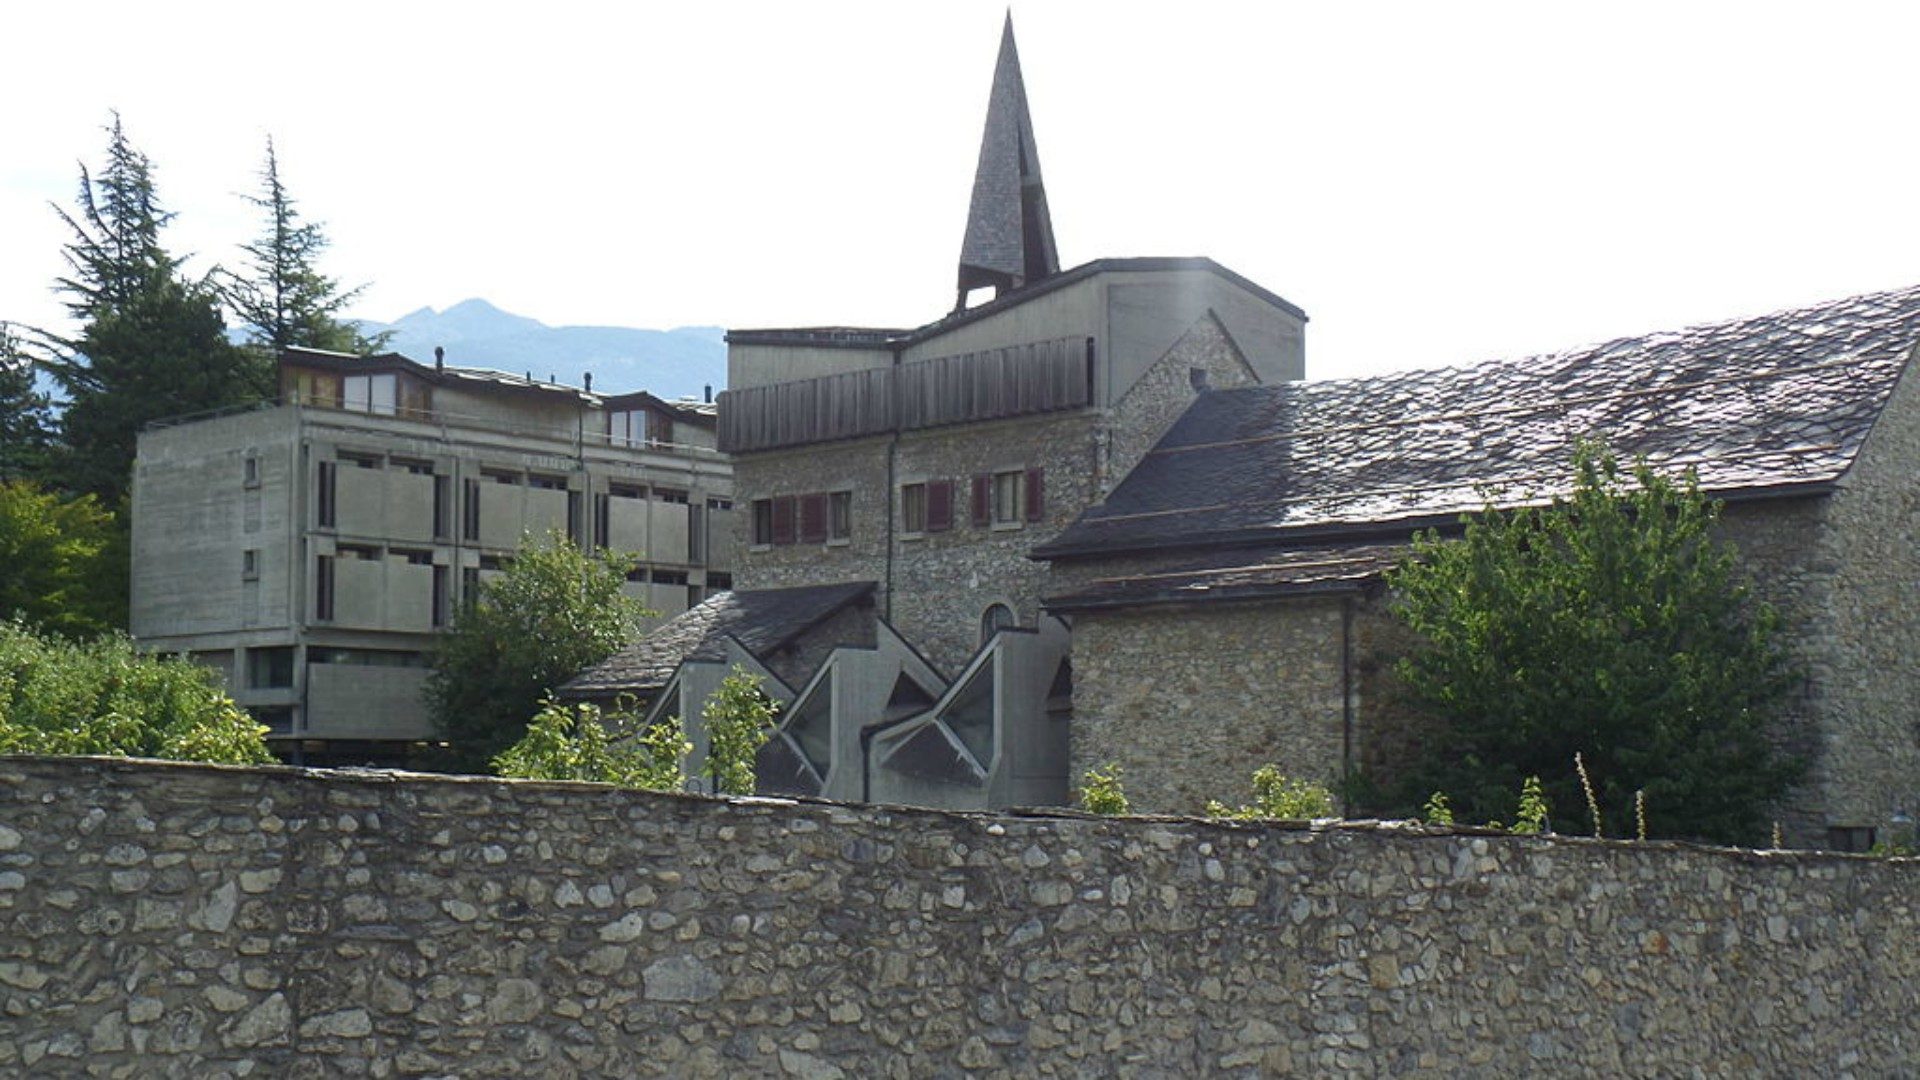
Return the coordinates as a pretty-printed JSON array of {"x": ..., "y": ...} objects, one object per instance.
[
  {"x": 1036, "y": 494},
  {"x": 783, "y": 520},
  {"x": 939, "y": 505},
  {"x": 982, "y": 500},
  {"x": 813, "y": 519}
]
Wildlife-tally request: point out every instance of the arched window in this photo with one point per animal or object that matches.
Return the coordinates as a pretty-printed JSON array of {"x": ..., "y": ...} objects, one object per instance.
[{"x": 994, "y": 619}]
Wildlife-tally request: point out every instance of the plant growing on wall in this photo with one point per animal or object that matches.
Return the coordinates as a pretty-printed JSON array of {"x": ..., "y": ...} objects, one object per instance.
[
  {"x": 555, "y": 610},
  {"x": 1611, "y": 623},
  {"x": 1100, "y": 791},
  {"x": 576, "y": 743},
  {"x": 103, "y": 697},
  {"x": 1276, "y": 796},
  {"x": 739, "y": 721}
]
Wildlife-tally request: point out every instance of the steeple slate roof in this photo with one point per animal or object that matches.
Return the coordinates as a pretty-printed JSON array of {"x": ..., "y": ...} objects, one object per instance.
[{"x": 1009, "y": 240}]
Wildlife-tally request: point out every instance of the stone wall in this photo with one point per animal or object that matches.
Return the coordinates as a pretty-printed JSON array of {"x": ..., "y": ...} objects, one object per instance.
[{"x": 194, "y": 921}]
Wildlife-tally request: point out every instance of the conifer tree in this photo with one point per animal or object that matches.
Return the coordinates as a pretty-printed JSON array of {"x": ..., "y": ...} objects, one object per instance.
[
  {"x": 283, "y": 299},
  {"x": 152, "y": 342},
  {"x": 26, "y": 423}
]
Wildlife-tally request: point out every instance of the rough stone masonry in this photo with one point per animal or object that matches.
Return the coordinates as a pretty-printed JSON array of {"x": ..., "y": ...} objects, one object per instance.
[{"x": 202, "y": 921}]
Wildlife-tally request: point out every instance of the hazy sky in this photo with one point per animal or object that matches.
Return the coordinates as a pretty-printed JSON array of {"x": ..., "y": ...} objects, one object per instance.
[{"x": 1433, "y": 183}]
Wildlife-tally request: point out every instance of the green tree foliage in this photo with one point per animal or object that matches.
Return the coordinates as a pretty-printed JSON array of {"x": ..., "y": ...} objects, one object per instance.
[
  {"x": 152, "y": 343},
  {"x": 1101, "y": 793},
  {"x": 553, "y": 611},
  {"x": 283, "y": 299},
  {"x": 575, "y": 743},
  {"x": 26, "y": 420},
  {"x": 59, "y": 561},
  {"x": 103, "y": 697},
  {"x": 739, "y": 720},
  {"x": 1276, "y": 796},
  {"x": 1611, "y": 624}
]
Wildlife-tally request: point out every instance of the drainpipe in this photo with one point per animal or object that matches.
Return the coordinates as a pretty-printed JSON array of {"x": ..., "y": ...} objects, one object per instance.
[{"x": 1346, "y": 697}]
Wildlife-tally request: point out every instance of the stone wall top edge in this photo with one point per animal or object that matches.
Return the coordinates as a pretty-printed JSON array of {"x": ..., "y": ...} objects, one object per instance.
[{"x": 1393, "y": 831}]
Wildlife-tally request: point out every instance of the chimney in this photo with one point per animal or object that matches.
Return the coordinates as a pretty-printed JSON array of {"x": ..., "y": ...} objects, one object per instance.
[
  {"x": 588, "y": 376},
  {"x": 709, "y": 394},
  {"x": 439, "y": 358}
]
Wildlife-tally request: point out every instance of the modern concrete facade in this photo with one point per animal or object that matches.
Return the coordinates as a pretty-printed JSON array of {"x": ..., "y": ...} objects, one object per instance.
[{"x": 310, "y": 550}]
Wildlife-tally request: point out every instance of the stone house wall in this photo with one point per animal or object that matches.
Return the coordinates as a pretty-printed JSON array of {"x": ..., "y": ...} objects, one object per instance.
[{"x": 196, "y": 921}]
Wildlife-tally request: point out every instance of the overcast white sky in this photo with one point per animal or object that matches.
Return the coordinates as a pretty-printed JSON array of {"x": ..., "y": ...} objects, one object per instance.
[{"x": 1433, "y": 183}]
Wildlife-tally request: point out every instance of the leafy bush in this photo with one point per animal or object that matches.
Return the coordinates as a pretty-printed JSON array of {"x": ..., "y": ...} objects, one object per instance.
[
  {"x": 739, "y": 719},
  {"x": 575, "y": 744},
  {"x": 1610, "y": 623},
  {"x": 1100, "y": 791},
  {"x": 104, "y": 697},
  {"x": 1275, "y": 796}
]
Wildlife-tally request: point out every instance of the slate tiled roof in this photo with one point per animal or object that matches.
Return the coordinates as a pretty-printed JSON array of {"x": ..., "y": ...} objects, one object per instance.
[
  {"x": 1756, "y": 405},
  {"x": 761, "y": 620},
  {"x": 1238, "y": 574}
]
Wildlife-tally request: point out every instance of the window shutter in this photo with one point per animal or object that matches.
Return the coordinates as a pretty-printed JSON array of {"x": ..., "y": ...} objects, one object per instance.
[
  {"x": 939, "y": 505},
  {"x": 783, "y": 520},
  {"x": 813, "y": 519},
  {"x": 982, "y": 499},
  {"x": 1036, "y": 494}
]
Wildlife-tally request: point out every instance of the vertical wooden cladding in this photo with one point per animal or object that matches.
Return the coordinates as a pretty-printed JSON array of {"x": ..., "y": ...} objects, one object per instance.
[{"x": 970, "y": 387}]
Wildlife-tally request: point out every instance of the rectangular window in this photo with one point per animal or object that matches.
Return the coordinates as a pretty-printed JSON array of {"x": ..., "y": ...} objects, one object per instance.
[
  {"x": 250, "y": 565},
  {"x": 813, "y": 519},
  {"x": 627, "y": 427},
  {"x": 669, "y": 577},
  {"x": 719, "y": 504},
  {"x": 442, "y": 606},
  {"x": 323, "y": 589},
  {"x": 840, "y": 515},
  {"x": 573, "y": 516},
  {"x": 251, "y": 471},
  {"x": 323, "y": 495},
  {"x": 411, "y": 556},
  {"x": 718, "y": 582},
  {"x": 602, "y": 515},
  {"x": 442, "y": 498},
  {"x": 1009, "y": 506},
  {"x": 762, "y": 522},
  {"x": 913, "y": 509},
  {"x": 417, "y": 468},
  {"x": 470, "y": 511},
  {"x": 626, "y": 491},
  {"x": 270, "y": 668},
  {"x": 500, "y": 476},
  {"x": 546, "y": 483},
  {"x": 372, "y": 393},
  {"x": 670, "y": 495},
  {"x": 783, "y": 523},
  {"x": 939, "y": 505}
]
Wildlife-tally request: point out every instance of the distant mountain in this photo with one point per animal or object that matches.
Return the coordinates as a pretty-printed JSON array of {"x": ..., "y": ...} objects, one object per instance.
[{"x": 668, "y": 363}]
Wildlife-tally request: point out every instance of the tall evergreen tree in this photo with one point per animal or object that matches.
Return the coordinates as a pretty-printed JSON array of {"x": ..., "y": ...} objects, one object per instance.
[
  {"x": 283, "y": 298},
  {"x": 152, "y": 343},
  {"x": 26, "y": 423}
]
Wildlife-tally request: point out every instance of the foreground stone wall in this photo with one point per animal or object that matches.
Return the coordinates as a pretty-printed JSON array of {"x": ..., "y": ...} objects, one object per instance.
[{"x": 193, "y": 921}]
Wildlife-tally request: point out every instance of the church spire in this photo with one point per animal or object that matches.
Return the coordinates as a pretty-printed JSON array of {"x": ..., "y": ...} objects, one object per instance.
[{"x": 1009, "y": 241}]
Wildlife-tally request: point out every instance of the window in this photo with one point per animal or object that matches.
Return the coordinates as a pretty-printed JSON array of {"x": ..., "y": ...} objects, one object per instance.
[
  {"x": 627, "y": 427},
  {"x": 417, "y": 468},
  {"x": 442, "y": 505},
  {"x": 840, "y": 516},
  {"x": 718, "y": 582},
  {"x": 442, "y": 603},
  {"x": 939, "y": 505},
  {"x": 719, "y": 504},
  {"x": 996, "y": 618},
  {"x": 412, "y": 557},
  {"x": 323, "y": 589},
  {"x": 602, "y": 518},
  {"x": 250, "y": 565},
  {"x": 372, "y": 393},
  {"x": 547, "y": 483},
  {"x": 626, "y": 491},
  {"x": 783, "y": 515},
  {"x": 762, "y": 522},
  {"x": 574, "y": 524},
  {"x": 1009, "y": 506},
  {"x": 670, "y": 495},
  {"x": 913, "y": 509},
  {"x": 361, "y": 461},
  {"x": 669, "y": 577},
  {"x": 470, "y": 511},
  {"x": 323, "y": 495},
  {"x": 251, "y": 471},
  {"x": 500, "y": 476},
  {"x": 270, "y": 668}
]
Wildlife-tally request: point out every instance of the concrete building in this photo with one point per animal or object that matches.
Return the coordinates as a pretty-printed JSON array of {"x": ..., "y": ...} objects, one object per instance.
[{"x": 310, "y": 550}]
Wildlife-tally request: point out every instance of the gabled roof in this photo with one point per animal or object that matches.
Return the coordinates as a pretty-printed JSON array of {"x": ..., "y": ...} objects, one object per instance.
[
  {"x": 762, "y": 620},
  {"x": 1238, "y": 574},
  {"x": 1756, "y": 406}
]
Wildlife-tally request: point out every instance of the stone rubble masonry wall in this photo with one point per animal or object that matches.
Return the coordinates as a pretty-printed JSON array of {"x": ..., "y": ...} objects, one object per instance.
[
  {"x": 943, "y": 582},
  {"x": 198, "y": 921}
]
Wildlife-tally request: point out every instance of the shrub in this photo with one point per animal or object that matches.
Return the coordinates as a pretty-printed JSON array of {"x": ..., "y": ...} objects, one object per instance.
[
  {"x": 739, "y": 719},
  {"x": 564, "y": 743},
  {"x": 1275, "y": 796},
  {"x": 1100, "y": 791}
]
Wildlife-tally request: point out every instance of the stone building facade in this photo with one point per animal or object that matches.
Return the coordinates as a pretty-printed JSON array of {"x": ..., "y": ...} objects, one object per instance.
[{"x": 310, "y": 550}]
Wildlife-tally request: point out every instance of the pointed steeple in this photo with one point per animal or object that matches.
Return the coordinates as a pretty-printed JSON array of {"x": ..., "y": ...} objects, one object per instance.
[{"x": 1009, "y": 241}]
